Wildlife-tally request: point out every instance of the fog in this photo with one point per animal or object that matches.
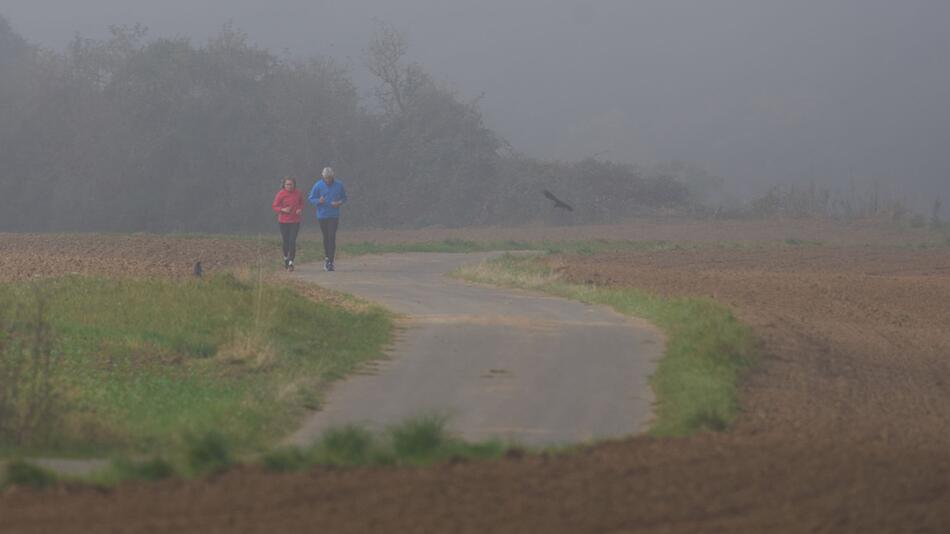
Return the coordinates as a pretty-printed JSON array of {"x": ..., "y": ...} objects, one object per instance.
[{"x": 758, "y": 92}]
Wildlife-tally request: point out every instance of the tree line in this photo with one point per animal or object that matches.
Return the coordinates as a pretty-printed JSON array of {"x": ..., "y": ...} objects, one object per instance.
[{"x": 131, "y": 133}]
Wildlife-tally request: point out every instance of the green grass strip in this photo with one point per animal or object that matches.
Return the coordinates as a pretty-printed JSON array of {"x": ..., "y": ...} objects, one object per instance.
[
  {"x": 707, "y": 348},
  {"x": 141, "y": 365},
  {"x": 416, "y": 441}
]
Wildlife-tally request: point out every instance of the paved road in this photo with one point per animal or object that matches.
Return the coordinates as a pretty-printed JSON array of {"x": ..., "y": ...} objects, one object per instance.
[{"x": 500, "y": 363}]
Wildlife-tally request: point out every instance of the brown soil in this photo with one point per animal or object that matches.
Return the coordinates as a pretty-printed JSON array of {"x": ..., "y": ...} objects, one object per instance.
[
  {"x": 845, "y": 424},
  {"x": 25, "y": 256}
]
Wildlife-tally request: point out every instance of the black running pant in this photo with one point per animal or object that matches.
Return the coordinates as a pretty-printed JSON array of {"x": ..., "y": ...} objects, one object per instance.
[
  {"x": 288, "y": 232},
  {"x": 328, "y": 228}
]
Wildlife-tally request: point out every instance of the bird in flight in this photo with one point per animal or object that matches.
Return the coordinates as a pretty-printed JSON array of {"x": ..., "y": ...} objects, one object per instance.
[{"x": 558, "y": 203}]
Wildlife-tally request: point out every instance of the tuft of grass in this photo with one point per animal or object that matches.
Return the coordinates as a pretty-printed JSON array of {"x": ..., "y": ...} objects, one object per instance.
[
  {"x": 20, "y": 473},
  {"x": 419, "y": 438},
  {"x": 347, "y": 445},
  {"x": 707, "y": 348},
  {"x": 209, "y": 453},
  {"x": 416, "y": 441},
  {"x": 426, "y": 439}
]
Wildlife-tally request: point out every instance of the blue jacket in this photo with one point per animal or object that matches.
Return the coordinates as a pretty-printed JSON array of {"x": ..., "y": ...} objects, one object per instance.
[{"x": 330, "y": 193}]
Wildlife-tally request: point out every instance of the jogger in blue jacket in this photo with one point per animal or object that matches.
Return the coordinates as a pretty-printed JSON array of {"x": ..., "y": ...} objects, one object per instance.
[{"x": 328, "y": 195}]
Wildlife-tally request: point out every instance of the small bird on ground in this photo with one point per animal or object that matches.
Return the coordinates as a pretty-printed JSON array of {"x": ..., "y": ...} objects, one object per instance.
[
  {"x": 558, "y": 203},
  {"x": 198, "y": 270}
]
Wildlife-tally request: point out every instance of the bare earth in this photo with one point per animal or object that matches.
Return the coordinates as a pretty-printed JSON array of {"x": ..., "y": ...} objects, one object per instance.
[{"x": 845, "y": 424}]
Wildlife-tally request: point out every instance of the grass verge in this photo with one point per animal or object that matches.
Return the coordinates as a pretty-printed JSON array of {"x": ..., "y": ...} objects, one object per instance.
[
  {"x": 695, "y": 381},
  {"x": 415, "y": 442},
  {"x": 418, "y": 441},
  {"x": 143, "y": 364}
]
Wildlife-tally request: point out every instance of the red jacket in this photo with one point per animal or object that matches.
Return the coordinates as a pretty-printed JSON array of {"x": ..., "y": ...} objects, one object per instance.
[{"x": 288, "y": 199}]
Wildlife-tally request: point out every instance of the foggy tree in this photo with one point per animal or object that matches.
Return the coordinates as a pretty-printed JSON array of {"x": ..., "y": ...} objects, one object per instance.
[
  {"x": 385, "y": 61},
  {"x": 135, "y": 134},
  {"x": 14, "y": 89},
  {"x": 430, "y": 134}
]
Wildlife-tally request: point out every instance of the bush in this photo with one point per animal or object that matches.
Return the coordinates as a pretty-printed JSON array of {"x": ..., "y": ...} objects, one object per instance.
[
  {"x": 869, "y": 202},
  {"x": 30, "y": 404}
]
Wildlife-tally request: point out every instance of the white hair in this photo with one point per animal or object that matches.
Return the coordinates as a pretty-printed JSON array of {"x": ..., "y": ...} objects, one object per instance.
[{"x": 327, "y": 172}]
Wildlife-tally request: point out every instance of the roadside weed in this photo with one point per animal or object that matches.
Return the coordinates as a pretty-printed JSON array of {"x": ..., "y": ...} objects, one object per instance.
[
  {"x": 209, "y": 453},
  {"x": 346, "y": 445},
  {"x": 419, "y": 438}
]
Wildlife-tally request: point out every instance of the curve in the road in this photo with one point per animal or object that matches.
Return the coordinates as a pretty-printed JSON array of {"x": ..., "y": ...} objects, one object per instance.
[{"x": 500, "y": 363}]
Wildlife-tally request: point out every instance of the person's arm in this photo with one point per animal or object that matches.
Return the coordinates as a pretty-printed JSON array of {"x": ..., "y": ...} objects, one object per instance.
[
  {"x": 298, "y": 202},
  {"x": 277, "y": 205},
  {"x": 341, "y": 199},
  {"x": 315, "y": 197}
]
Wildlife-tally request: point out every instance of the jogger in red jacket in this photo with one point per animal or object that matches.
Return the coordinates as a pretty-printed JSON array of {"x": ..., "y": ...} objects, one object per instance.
[{"x": 288, "y": 204}]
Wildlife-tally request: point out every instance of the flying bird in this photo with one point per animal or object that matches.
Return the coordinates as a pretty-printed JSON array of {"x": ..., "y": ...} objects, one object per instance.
[{"x": 558, "y": 203}]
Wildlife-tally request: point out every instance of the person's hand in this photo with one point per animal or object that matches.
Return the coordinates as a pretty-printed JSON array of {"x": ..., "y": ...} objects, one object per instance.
[
  {"x": 322, "y": 199},
  {"x": 298, "y": 212},
  {"x": 336, "y": 203},
  {"x": 285, "y": 210}
]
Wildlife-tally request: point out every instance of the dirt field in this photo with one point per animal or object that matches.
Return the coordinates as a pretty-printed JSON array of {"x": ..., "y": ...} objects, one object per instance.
[
  {"x": 25, "y": 256},
  {"x": 845, "y": 424}
]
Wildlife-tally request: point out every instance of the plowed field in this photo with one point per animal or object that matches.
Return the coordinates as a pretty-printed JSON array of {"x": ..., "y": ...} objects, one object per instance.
[{"x": 845, "y": 423}]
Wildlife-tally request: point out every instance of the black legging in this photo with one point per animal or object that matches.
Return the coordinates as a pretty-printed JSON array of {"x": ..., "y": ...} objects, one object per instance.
[
  {"x": 288, "y": 232},
  {"x": 328, "y": 228}
]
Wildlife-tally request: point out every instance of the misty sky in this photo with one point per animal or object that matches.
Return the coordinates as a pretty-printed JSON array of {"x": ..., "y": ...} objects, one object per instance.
[{"x": 759, "y": 90}]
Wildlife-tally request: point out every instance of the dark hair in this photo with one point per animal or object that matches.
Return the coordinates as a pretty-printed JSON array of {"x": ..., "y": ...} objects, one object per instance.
[{"x": 283, "y": 181}]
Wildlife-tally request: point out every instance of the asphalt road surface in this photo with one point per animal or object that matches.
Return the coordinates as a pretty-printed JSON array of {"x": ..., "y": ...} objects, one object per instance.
[{"x": 499, "y": 363}]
